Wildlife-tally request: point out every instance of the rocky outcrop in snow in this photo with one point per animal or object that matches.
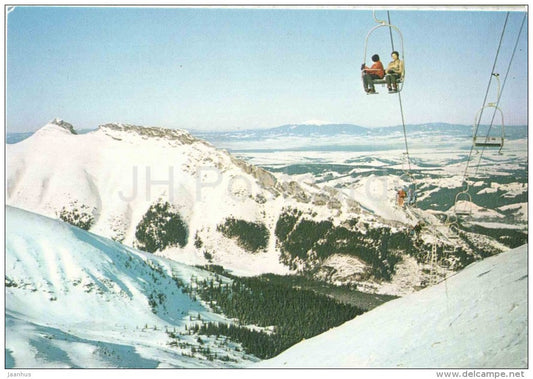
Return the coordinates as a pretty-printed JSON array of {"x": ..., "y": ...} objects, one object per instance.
[
  {"x": 63, "y": 124},
  {"x": 58, "y": 124},
  {"x": 265, "y": 178},
  {"x": 115, "y": 129}
]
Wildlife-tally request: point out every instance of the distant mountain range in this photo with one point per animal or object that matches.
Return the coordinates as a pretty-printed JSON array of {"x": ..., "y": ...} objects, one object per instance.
[
  {"x": 308, "y": 130},
  {"x": 317, "y": 130}
]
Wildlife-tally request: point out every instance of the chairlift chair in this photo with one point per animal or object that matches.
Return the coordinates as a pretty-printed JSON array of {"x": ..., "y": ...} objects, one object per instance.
[
  {"x": 408, "y": 178},
  {"x": 497, "y": 138},
  {"x": 383, "y": 24},
  {"x": 463, "y": 204},
  {"x": 452, "y": 223},
  {"x": 454, "y": 228}
]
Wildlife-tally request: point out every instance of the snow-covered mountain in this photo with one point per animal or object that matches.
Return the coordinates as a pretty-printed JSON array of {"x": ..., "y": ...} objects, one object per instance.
[
  {"x": 108, "y": 179},
  {"x": 167, "y": 192},
  {"x": 74, "y": 299},
  {"x": 476, "y": 319}
]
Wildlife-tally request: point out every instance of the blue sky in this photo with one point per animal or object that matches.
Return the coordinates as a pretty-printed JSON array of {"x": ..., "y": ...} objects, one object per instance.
[{"x": 241, "y": 68}]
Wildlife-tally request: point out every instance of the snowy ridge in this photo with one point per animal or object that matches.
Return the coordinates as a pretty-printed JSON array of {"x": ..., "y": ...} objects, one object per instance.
[
  {"x": 117, "y": 129},
  {"x": 74, "y": 299},
  {"x": 476, "y": 319}
]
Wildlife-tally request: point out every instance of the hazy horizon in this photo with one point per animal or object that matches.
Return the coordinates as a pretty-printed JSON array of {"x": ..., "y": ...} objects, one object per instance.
[{"x": 232, "y": 68}]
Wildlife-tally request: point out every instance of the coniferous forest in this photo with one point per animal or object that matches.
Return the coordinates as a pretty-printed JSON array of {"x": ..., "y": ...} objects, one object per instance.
[
  {"x": 161, "y": 226},
  {"x": 251, "y": 236},
  {"x": 285, "y": 314}
]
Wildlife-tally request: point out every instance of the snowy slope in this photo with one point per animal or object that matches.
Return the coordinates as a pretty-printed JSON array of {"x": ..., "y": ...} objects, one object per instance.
[
  {"x": 74, "y": 299},
  {"x": 476, "y": 319}
]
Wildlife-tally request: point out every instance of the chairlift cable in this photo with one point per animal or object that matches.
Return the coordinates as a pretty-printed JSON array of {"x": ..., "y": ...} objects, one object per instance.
[
  {"x": 492, "y": 73},
  {"x": 465, "y": 176},
  {"x": 501, "y": 91},
  {"x": 405, "y": 134},
  {"x": 401, "y": 106},
  {"x": 390, "y": 32}
]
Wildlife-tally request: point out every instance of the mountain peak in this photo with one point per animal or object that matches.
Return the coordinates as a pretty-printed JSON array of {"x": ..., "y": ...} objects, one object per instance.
[{"x": 62, "y": 124}]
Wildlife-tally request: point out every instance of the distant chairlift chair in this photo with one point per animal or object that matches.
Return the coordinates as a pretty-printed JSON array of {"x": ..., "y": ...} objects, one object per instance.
[
  {"x": 496, "y": 139},
  {"x": 463, "y": 204}
]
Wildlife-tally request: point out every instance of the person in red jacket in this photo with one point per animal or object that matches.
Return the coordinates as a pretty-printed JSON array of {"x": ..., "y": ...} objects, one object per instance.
[
  {"x": 376, "y": 71},
  {"x": 400, "y": 197}
]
